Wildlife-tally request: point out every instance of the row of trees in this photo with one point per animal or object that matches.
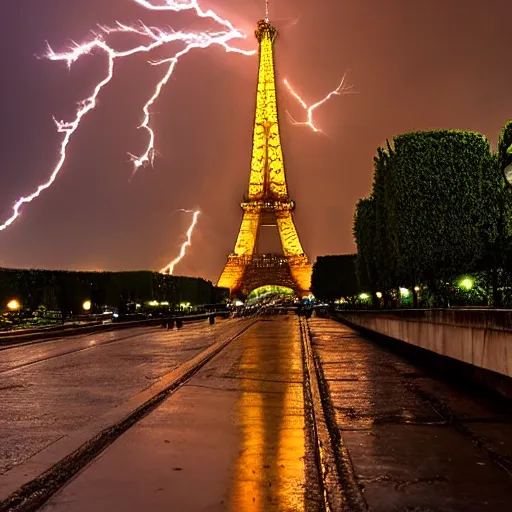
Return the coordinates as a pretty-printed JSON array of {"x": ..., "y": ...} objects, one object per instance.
[
  {"x": 439, "y": 209},
  {"x": 67, "y": 291},
  {"x": 334, "y": 277}
]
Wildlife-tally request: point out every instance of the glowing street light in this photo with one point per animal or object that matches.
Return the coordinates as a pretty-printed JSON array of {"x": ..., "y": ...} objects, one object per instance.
[
  {"x": 404, "y": 292},
  {"x": 466, "y": 283},
  {"x": 379, "y": 295},
  {"x": 364, "y": 296},
  {"x": 13, "y": 305},
  {"x": 87, "y": 305}
]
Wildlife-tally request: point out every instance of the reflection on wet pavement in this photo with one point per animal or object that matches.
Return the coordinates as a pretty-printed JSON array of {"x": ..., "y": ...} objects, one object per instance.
[
  {"x": 270, "y": 470},
  {"x": 231, "y": 439}
]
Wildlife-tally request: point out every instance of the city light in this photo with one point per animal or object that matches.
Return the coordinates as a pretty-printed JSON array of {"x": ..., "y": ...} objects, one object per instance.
[
  {"x": 87, "y": 305},
  {"x": 379, "y": 295},
  {"x": 153, "y": 303},
  {"x": 13, "y": 305},
  {"x": 417, "y": 288},
  {"x": 364, "y": 296},
  {"x": 404, "y": 292},
  {"x": 466, "y": 283}
]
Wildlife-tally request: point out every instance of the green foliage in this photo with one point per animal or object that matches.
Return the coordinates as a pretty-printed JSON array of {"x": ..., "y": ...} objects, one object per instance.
[
  {"x": 438, "y": 209},
  {"x": 270, "y": 290},
  {"x": 335, "y": 277},
  {"x": 505, "y": 146},
  {"x": 504, "y": 158},
  {"x": 435, "y": 203},
  {"x": 499, "y": 256},
  {"x": 384, "y": 244},
  {"x": 364, "y": 234}
]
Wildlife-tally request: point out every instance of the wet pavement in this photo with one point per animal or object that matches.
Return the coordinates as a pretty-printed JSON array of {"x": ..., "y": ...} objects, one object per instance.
[
  {"x": 415, "y": 442},
  {"x": 232, "y": 438},
  {"x": 50, "y": 388},
  {"x": 237, "y": 436}
]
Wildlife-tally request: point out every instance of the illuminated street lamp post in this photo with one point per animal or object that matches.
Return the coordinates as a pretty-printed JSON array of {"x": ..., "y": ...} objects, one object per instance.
[
  {"x": 13, "y": 305},
  {"x": 86, "y": 306},
  {"x": 466, "y": 284}
]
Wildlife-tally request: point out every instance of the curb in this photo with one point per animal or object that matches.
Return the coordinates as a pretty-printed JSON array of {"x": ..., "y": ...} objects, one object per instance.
[
  {"x": 341, "y": 490},
  {"x": 332, "y": 491}
]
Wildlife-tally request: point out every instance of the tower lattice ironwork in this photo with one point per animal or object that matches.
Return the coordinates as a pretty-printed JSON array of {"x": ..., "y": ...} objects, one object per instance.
[{"x": 267, "y": 202}]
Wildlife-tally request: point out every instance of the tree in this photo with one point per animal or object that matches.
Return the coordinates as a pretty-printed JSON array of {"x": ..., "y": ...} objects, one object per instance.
[
  {"x": 498, "y": 228},
  {"x": 67, "y": 291},
  {"x": 436, "y": 205},
  {"x": 335, "y": 277},
  {"x": 364, "y": 234},
  {"x": 384, "y": 244}
]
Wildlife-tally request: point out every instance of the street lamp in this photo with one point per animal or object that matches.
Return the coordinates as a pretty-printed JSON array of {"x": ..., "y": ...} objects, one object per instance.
[
  {"x": 466, "y": 283},
  {"x": 404, "y": 292},
  {"x": 87, "y": 305},
  {"x": 13, "y": 305}
]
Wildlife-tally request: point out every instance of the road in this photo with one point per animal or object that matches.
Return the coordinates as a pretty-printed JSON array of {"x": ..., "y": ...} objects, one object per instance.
[
  {"x": 50, "y": 388},
  {"x": 242, "y": 433}
]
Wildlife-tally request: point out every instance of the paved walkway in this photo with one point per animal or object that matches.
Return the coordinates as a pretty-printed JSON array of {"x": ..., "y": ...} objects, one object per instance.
[
  {"x": 232, "y": 438},
  {"x": 413, "y": 440},
  {"x": 51, "y": 388},
  {"x": 238, "y": 436}
]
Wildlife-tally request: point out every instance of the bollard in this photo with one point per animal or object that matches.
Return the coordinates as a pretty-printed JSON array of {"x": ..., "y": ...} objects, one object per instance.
[
  {"x": 211, "y": 318},
  {"x": 179, "y": 323}
]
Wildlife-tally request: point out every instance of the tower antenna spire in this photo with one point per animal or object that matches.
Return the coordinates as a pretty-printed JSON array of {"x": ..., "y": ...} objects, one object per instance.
[{"x": 266, "y": 10}]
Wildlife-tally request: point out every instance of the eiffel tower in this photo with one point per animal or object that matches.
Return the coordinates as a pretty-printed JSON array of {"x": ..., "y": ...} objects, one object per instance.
[{"x": 267, "y": 202}]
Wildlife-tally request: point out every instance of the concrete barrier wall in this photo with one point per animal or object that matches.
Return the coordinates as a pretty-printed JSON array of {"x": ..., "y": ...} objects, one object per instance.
[{"x": 482, "y": 338}]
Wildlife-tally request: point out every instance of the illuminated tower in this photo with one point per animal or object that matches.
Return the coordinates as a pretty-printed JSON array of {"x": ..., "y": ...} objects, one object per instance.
[{"x": 267, "y": 202}]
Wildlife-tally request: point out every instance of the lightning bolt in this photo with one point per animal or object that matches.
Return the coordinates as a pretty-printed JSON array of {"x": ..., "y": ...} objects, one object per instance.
[
  {"x": 343, "y": 88},
  {"x": 156, "y": 37},
  {"x": 169, "y": 269}
]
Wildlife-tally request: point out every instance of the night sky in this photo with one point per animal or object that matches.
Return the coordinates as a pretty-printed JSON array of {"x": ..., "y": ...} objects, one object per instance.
[{"x": 416, "y": 65}]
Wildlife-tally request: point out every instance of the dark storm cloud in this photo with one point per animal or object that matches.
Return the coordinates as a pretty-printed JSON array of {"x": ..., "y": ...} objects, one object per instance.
[{"x": 416, "y": 65}]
